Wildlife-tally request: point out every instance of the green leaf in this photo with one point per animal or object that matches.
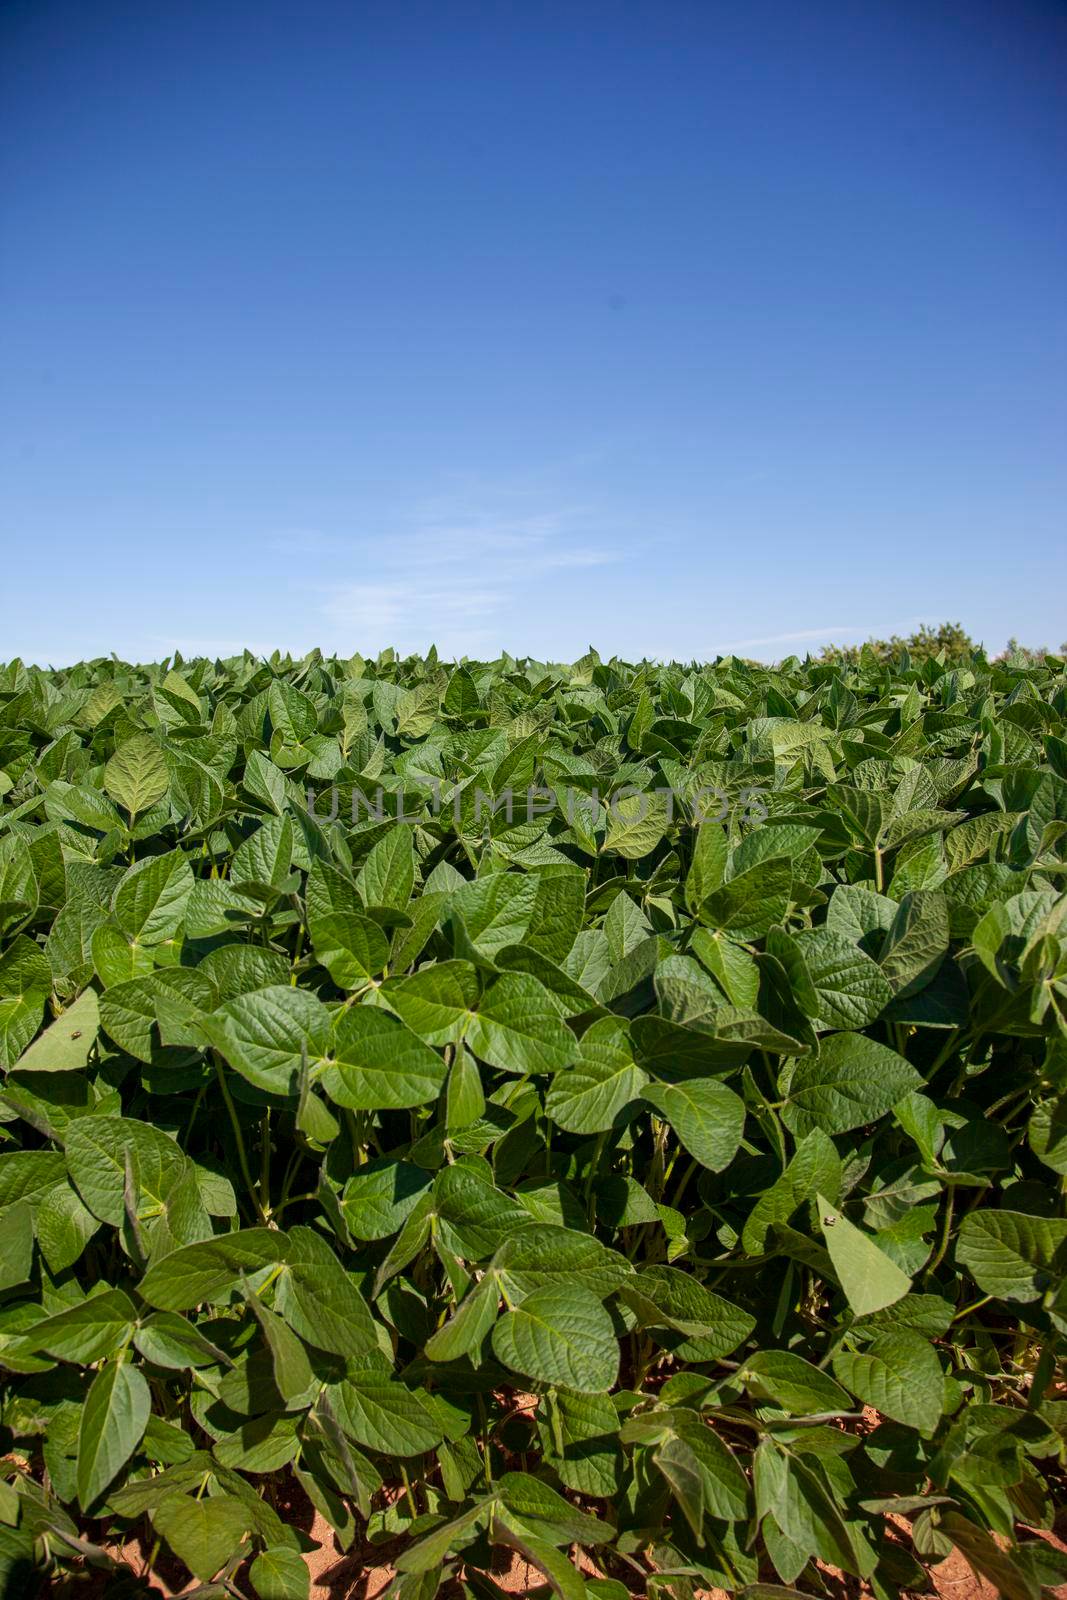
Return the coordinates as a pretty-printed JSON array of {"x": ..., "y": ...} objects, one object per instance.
[
  {"x": 321, "y": 1301},
  {"x": 708, "y": 1117},
  {"x": 86, "y": 1332},
  {"x": 97, "y": 1149},
  {"x": 793, "y": 1383},
  {"x": 113, "y": 1422},
  {"x": 380, "y": 1196},
  {"x": 497, "y": 910},
  {"x": 1011, "y": 1254},
  {"x": 436, "y": 1003},
  {"x": 202, "y": 1533},
  {"x": 667, "y": 1297},
  {"x": 850, "y": 990},
  {"x": 16, "y": 1245},
  {"x": 465, "y": 1101},
  {"x": 212, "y": 1269},
  {"x": 387, "y": 877},
  {"x": 708, "y": 866},
  {"x": 546, "y": 1512},
  {"x": 352, "y": 948},
  {"x": 375, "y": 1063},
  {"x": 289, "y": 1361},
  {"x": 636, "y": 824},
  {"x": 267, "y": 1035},
  {"x": 852, "y": 1081},
  {"x": 518, "y": 1028},
  {"x": 66, "y": 1044},
  {"x": 746, "y": 906},
  {"x": 473, "y": 1217},
  {"x": 25, "y": 983},
  {"x": 280, "y": 1574},
  {"x": 541, "y": 1256},
  {"x": 464, "y": 1332},
  {"x": 870, "y": 1279},
  {"x": 560, "y": 1335},
  {"x": 149, "y": 900},
  {"x": 64, "y": 1227},
  {"x": 693, "y": 1450},
  {"x": 899, "y": 1375},
  {"x": 604, "y": 1081},
  {"x": 382, "y": 1414},
  {"x": 916, "y": 942},
  {"x": 136, "y": 775}
]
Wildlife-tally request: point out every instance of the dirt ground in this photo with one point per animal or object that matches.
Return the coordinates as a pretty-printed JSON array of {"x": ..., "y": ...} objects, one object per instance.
[{"x": 336, "y": 1575}]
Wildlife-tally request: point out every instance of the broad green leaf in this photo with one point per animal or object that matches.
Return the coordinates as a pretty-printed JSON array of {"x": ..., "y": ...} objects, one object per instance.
[
  {"x": 136, "y": 776},
  {"x": 203, "y": 1533},
  {"x": 352, "y": 948},
  {"x": 466, "y": 1098},
  {"x": 852, "y": 1081},
  {"x": 668, "y": 1297},
  {"x": 518, "y": 1029},
  {"x": 267, "y": 1035},
  {"x": 473, "y": 1216},
  {"x": 380, "y": 1196},
  {"x": 1011, "y": 1254},
  {"x": 707, "y": 1117},
  {"x": 560, "y": 1335},
  {"x": 388, "y": 874},
  {"x": 542, "y": 1256},
  {"x": 497, "y": 910},
  {"x": 382, "y": 1414},
  {"x": 64, "y": 1227},
  {"x": 636, "y": 824},
  {"x": 870, "y": 1279},
  {"x": 97, "y": 1150},
  {"x": 465, "y": 1331},
  {"x": 603, "y": 1082},
  {"x": 899, "y": 1375},
  {"x": 746, "y": 906},
  {"x": 113, "y": 1421},
  {"x": 86, "y": 1332},
  {"x": 280, "y": 1574},
  {"x": 64, "y": 1046},
  {"x": 25, "y": 983},
  {"x": 321, "y": 1301},
  {"x": 436, "y": 1002},
  {"x": 850, "y": 990},
  {"x": 793, "y": 1383},
  {"x": 708, "y": 865},
  {"x": 211, "y": 1269},
  {"x": 374, "y": 1062},
  {"x": 149, "y": 900}
]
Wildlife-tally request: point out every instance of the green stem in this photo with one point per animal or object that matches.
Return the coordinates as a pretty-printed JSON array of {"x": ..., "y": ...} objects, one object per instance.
[
  {"x": 601, "y": 1140},
  {"x": 942, "y": 1249},
  {"x": 686, "y": 1175},
  {"x": 264, "y": 1165},
  {"x": 976, "y": 1305},
  {"x": 242, "y": 1153}
]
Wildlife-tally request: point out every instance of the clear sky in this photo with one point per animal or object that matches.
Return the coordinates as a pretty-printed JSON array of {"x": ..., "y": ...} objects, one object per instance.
[{"x": 670, "y": 327}]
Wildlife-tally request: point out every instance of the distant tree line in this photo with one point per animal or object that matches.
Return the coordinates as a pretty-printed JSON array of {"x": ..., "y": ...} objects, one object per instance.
[{"x": 950, "y": 639}]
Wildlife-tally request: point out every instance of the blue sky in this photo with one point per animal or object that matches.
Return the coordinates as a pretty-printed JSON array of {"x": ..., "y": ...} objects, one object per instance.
[{"x": 674, "y": 328}]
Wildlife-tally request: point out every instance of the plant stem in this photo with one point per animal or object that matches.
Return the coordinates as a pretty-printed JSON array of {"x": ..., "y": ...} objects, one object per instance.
[
  {"x": 950, "y": 1207},
  {"x": 264, "y": 1165},
  {"x": 975, "y": 1305},
  {"x": 242, "y": 1153}
]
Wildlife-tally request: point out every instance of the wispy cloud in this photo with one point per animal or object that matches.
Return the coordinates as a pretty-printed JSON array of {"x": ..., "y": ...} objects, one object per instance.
[
  {"x": 460, "y": 573},
  {"x": 843, "y": 630}
]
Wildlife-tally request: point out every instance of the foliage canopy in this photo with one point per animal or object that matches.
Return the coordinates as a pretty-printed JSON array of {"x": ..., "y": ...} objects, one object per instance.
[{"x": 671, "y": 1192}]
